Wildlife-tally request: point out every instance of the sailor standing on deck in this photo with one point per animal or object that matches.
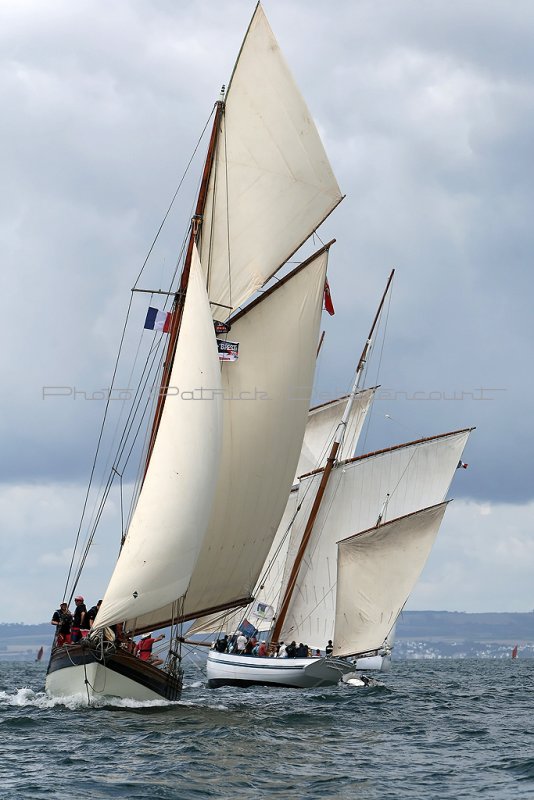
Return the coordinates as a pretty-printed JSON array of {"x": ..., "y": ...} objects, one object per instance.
[{"x": 78, "y": 621}]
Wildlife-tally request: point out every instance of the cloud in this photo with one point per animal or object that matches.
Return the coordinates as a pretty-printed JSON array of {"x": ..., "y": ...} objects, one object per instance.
[
  {"x": 38, "y": 524},
  {"x": 426, "y": 113},
  {"x": 482, "y": 560}
]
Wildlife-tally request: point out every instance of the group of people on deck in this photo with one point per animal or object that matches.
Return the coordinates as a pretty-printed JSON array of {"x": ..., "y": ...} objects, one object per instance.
[
  {"x": 240, "y": 644},
  {"x": 71, "y": 627}
]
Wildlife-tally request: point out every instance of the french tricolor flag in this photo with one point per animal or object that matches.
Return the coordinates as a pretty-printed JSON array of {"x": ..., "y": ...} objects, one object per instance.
[{"x": 157, "y": 320}]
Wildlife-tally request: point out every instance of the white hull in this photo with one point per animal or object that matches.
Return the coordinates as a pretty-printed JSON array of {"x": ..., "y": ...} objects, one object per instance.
[
  {"x": 103, "y": 683},
  {"x": 225, "y": 669},
  {"x": 374, "y": 663}
]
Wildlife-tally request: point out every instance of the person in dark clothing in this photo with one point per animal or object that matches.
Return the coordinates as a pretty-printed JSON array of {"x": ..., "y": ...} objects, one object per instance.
[
  {"x": 91, "y": 614},
  {"x": 221, "y": 644},
  {"x": 329, "y": 649},
  {"x": 62, "y": 619},
  {"x": 291, "y": 650},
  {"x": 78, "y": 621},
  {"x": 302, "y": 651}
]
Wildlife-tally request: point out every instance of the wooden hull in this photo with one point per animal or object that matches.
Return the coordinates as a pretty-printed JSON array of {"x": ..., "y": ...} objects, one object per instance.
[
  {"x": 81, "y": 669},
  {"x": 225, "y": 669}
]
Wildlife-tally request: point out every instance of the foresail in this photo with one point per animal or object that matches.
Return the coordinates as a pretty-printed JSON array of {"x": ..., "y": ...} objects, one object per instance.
[
  {"x": 266, "y": 399},
  {"x": 271, "y": 184},
  {"x": 376, "y": 572},
  {"x": 321, "y": 427},
  {"x": 387, "y": 484},
  {"x": 174, "y": 506}
]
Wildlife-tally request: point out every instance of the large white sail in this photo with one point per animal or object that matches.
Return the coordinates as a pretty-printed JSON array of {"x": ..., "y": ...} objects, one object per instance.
[
  {"x": 320, "y": 427},
  {"x": 386, "y": 485},
  {"x": 271, "y": 184},
  {"x": 376, "y": 572},
  {"x": 173, "y": 510},
  {"x": 266, "y": 400}
]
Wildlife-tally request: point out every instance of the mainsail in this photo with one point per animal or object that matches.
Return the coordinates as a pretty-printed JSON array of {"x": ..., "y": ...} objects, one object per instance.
[
  {"x": 271, "y": 184},
  {"x": 376, "y": 572}
]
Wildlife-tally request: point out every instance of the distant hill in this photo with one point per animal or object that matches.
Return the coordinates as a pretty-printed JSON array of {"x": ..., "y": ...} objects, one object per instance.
[{"x": 20, "y": 642}]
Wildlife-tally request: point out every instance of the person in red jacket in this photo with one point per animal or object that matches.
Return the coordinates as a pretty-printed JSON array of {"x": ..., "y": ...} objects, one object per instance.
[{"x": 144, "y": 648}]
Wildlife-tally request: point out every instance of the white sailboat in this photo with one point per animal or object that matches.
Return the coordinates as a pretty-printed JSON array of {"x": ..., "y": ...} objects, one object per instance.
[
  {"x": 208, "y": 508},
  {"x": 353, "y": 541}
]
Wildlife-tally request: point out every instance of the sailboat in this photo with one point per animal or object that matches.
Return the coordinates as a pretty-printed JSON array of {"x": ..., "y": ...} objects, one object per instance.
[
  {"x": 40, "y": 654},
  {"x": 217, "y": 472},
  {"x": 352, "y": 543}
]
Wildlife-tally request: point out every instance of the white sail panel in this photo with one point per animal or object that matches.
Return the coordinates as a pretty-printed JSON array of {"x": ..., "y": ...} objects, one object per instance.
[
  {"x": 174, "y": 506},
  {"x": 267, "y": 588},
  {"x": 322, "y": 425},
  {"x": 271, "y": 184},
  {"x": 390, "y": 483},
  {"x": 265, "y": 407},
  {"x": 376, "y": 573},
  {"x": 320, "y": 428}
]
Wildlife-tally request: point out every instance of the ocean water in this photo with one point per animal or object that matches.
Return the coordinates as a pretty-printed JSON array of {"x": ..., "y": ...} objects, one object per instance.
[{"x": 428, "y": 729}]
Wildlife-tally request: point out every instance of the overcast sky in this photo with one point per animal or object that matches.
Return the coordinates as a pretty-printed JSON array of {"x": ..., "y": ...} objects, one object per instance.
[{"x": 426, "y": 110}]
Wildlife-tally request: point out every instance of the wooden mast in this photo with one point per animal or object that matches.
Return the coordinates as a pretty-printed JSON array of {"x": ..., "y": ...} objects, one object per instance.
[
  {"x": 330, "y": 462},
  {"x": 179, "y": 298}
]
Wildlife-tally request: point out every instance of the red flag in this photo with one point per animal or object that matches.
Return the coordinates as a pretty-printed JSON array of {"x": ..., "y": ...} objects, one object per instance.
[{"x": 328, "y": 305}]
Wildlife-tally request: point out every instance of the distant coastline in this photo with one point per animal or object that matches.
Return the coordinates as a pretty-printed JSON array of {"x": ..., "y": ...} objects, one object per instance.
[{"x": 419, "y": 635}]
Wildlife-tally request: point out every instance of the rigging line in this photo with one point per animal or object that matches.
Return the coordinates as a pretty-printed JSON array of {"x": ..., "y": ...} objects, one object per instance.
[
  {"x": 98, "y": 444},
  {"x": 129, "y": 422},
  {"x": 90, "y": 536},
  {"x": 111, "y": 460},
  {"x": 159, "y": 342},
  {"x": 101, "y": 510},
  {"x": 314, "y": 233},
  {"x": 174, "y": 197}
]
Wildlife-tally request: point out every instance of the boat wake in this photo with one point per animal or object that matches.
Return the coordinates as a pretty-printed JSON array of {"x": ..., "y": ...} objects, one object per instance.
[{"x": 27, "y": 697}]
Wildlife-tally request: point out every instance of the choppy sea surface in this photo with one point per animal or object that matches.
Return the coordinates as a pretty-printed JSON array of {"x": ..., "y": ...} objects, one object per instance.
[{"x": 428, "y": 729}]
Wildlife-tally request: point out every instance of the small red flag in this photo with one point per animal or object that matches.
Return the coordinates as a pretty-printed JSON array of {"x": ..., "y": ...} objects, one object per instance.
[{"x": 328, "y": 305}]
